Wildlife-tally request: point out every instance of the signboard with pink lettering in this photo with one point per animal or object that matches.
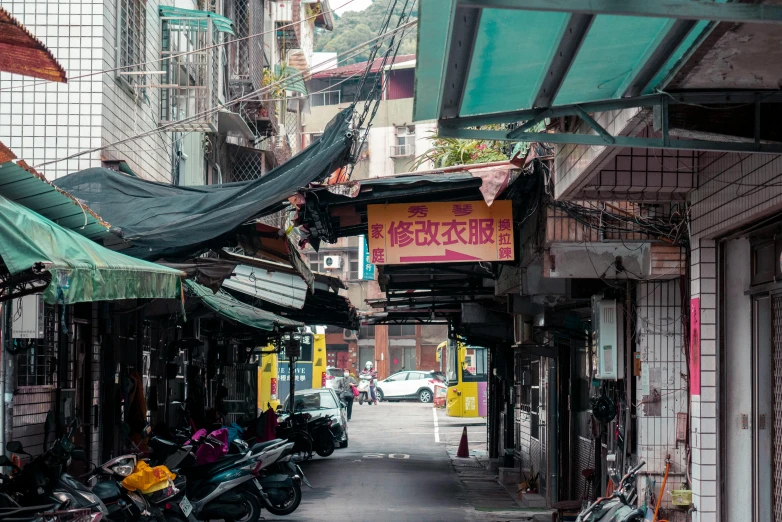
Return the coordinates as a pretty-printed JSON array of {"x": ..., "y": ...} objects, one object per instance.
[
  {"x": 695, "y": 346},
  {"x": 461, "y": 231},
  {"x": 483, "y": 399}
]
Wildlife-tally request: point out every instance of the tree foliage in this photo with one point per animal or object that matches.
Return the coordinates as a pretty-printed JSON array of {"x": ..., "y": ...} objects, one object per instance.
[{"x": 356, "y": 27}]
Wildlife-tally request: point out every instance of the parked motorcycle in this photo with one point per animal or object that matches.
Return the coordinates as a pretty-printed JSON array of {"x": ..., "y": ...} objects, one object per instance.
[
  {"x": 619, "y": 507},
  {"x": 307, "y": 431},
  {"x": 167, "y": 502},
  {"x": 364, "y": 393},
  {"x": 44, "y": 482}
]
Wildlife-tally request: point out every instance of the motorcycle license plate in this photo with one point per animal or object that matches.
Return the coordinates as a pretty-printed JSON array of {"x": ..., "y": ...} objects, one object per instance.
[{"x": 186, "y": 507}]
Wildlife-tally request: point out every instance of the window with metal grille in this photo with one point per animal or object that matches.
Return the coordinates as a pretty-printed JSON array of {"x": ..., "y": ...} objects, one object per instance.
[
  {"x": 401, "y": 330},
  {"x": 405, "y": 141},
  {"x": 367, "y": 331},
  {"x": 131, "y": 41},
  {"x": 353, "y": 268},
  {"x": 37, "y": 366},
  {"x": 314, "y": 259}
]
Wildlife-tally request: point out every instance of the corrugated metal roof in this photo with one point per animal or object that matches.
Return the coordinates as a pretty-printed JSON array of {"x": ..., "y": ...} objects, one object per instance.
[
  {"x": 358, "y": 68},
  {"x": 24, "y": 185},
  {"x": 22, "y": 53},
  {"x": 276, "y": 287}
]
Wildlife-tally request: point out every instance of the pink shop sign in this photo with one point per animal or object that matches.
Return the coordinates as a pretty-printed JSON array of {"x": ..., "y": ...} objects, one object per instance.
[{"x": 695, "y": 346}]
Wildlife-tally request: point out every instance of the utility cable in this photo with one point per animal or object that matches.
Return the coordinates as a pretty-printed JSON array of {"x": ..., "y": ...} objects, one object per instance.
[
  {"x": 202, "y": 49},
  {"x": 283, "y": 82}
]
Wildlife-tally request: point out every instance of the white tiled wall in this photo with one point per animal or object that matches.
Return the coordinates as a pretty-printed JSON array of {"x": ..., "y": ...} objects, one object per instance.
[
  {"x": 734, "y": 190},
  {"x": 130, "y": 112},
  {"x": 658, "y": 335},
  {"x": 51, "y": 121},
  {"x": 45, "y": 122}
]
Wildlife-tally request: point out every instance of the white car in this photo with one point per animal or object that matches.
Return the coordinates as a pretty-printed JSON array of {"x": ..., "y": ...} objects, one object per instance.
[
  {"x": 415, "y": 384},
  {"x": 334, "y": 377}
]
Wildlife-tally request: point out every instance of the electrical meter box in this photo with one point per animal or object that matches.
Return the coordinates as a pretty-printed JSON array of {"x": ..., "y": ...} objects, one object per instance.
[{"x": 607, "y": 332}]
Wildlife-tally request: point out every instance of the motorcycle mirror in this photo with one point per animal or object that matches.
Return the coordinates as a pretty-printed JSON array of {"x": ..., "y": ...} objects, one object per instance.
[
  {"x": 79, "y": 455},
  {"x": 14, "y": 446}
]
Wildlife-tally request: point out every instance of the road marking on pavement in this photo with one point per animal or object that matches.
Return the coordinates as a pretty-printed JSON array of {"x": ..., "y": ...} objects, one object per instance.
[
  {"x": 374, "y": 456},
  {"x": 402, "y": 456},
  {"x": 436, "y": 426}
]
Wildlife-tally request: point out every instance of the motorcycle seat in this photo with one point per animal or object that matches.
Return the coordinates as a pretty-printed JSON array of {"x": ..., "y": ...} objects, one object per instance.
[
  {"x": 204, "y": 470},
  {"x": 257, "y": 448},
  {"x": 107, "y": 491}
]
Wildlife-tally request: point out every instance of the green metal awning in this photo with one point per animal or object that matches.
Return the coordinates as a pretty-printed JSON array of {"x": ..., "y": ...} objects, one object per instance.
[
  {"x": 229, "y": 307},
  {"x": 221, "y": 23},
  {"x": 31, "y": 189},
  {"x": 80, "y": 269},
  {"x": 502, "y": 56},
  {"x": 485, "y": 62}
]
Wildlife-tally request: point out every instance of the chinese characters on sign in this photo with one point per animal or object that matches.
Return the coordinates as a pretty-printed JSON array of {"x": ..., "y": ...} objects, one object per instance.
[
  {"x": 440, "y": 232},
  {"x": 366, "y": 270},
  {"x": 695, "y": 346}
]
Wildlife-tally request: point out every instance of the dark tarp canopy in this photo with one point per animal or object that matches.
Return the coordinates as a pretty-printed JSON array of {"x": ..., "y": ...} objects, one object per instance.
[{"x": 161, "y": 220}]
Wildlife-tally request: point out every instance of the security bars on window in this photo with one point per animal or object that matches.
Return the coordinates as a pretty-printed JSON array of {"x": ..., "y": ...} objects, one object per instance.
[{"x": 131, "y": 40}]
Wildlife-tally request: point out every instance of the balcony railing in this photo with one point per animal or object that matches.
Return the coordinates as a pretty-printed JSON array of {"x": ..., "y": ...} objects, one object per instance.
[{"x": 401, "y": 151}]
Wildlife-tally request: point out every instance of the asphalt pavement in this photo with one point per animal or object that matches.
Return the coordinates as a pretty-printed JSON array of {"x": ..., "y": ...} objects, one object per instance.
[{"x": 397, "y": 467}]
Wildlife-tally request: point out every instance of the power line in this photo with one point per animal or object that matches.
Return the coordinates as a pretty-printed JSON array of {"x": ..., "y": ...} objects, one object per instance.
[
  {"x": 202, "y": 49},
  {"x": 283, "y": 82}
]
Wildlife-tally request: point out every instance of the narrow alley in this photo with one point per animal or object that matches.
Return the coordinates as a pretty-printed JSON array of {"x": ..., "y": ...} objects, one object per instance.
[{"x": 401, "y": 465}]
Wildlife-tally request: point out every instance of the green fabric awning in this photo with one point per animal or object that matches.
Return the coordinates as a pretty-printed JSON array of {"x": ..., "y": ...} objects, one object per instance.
[
  {"x": 231, "y": 308},
  {"x": 295, "y": 84},
  {"x": 81, "y": 270},
  {"x": 220, "y": 22}
]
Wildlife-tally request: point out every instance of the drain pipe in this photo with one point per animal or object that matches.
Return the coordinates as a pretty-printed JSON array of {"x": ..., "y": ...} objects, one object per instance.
[{"x": 3, "y": 355}]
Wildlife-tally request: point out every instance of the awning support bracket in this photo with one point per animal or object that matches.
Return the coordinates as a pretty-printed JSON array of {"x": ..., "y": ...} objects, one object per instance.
[
  {"x": 589, "y": 120},
  {"x": 465, "y": 127}
]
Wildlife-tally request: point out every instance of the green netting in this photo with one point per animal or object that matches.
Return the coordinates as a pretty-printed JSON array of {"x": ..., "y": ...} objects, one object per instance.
[
  {"x": 81, "y": 270},
  {"x": 176, "y": 222},
  {"x": 229, "y": 307},
  {"x": 221, "y": 23}
]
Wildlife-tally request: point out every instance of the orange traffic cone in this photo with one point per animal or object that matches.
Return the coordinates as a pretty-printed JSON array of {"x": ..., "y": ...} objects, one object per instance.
[{"x": 464, "y": 451}]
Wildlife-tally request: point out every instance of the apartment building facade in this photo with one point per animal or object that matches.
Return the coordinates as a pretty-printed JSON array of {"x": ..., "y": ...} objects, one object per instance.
[{"x": 392, "y": 145}]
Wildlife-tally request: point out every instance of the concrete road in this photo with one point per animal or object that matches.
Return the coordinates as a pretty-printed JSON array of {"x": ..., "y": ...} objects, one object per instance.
[{"x": 395, "y": 469}]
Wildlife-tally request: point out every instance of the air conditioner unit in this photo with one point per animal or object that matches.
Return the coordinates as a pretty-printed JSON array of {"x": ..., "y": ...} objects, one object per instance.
[
  {"x": 332, "y": 262},
  {"x": 607, "y": 334},
  {"x": 349, "y": 335}
]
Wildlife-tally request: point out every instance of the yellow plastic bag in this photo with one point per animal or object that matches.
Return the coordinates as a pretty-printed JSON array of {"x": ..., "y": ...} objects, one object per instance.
[{"x": 144, "y": 477}]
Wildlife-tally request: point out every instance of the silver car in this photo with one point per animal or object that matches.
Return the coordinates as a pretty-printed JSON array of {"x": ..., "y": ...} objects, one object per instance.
[
  {"x": 320, "y": 402},
  {"x": 334, "y": 377}
]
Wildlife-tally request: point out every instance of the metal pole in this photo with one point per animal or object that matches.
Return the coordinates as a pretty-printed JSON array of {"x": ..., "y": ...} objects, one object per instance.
[
  {"x": 3, "y": 335},
  {"x": 553, "y": 428},
  {"x": 292, "y": 380},
  {"x": 7, "y": 377}
]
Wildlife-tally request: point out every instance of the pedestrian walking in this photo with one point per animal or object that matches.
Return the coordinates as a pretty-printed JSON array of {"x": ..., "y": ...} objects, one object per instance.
[{"x": 346, "y": 393}]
